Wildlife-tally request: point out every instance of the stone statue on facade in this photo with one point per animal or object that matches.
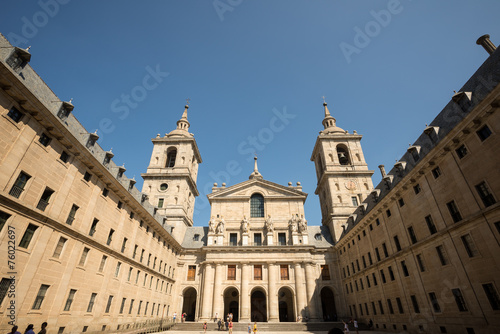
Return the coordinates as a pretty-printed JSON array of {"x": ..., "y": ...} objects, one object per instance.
[
  {"x": 292, "y": 224},
  {"x": 245, "y": 224},
  {"x": 211, "y": 227},
  {"x": 302, "y": 224},
  {"x": 221, "y": 226},
  {"x": 269, "y": 224}
]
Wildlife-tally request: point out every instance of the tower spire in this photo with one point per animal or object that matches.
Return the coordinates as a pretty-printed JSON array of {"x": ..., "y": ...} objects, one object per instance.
[
  {"x": 329, "y": 122},
  {"x": 255, "y": 174},
  {"x": 182, "y": 124}
]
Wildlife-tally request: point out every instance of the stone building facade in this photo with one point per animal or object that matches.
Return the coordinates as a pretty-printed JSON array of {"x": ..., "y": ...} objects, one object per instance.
[{"x": 417, "y": 252}]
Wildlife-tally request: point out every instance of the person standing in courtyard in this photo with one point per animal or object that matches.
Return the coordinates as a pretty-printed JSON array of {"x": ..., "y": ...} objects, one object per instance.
[
  {"x": 230, "y": 327},
  {"x": 255, "y": 327},
  {"x": 14, "y": 330},
  {"x": 249, "y": 328},
  {"x": 43, "y": 330},
  {"x": 346, "y": 327},
  {"x": 355, "y": 322},
  {"x": 204, "y": 327}
]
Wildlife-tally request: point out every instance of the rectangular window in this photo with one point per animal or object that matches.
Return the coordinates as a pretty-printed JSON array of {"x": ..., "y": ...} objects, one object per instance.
[
  {"x": 15, "y": 114},
  {"x": 401, "y": 202},
  {"x": 368, "y": 282},
  {"x": 382, "y": 275},
  {"x": 160, "y": 202},
  {"x": 411, "y": 233},
  {"x": 420, "y": 262},
  {"x": 434, "y": 302},
  {"x": 40, "y": 296},
  {"x": 122, "y": 306},
  {"x": 105, "y": 192},
  {"x": 396, "y": 242},
  {"x": 19, "y": 185},
  {"x": 135, "y": 251},
  {"x": 325, "y": 273},
  {"x": 282, "y": 239},
  {"x": 87, "y": 176},
  {"x": 257, "y": 239},
  {"x": 354, "y": 200},
  {"x": 131, "y": 306},
  {"x": 257, "y": 272},
  {"x": 117, "y": 270},
  {"x": 442, "y": 255},
  {"x": 108, "y": 305},
  {"x": 146, "y": 308},
  {"x": 400, "y": 305},
  {"x": 459, "y": 299},
  {"x": 430, "y": 224},
  {"x": 139, "y": 308},
  {"x": 91, "y": 302},
  {"x": 72, "y": 214},
  {"x": 491, "y": 293},
  {"x": 103, "y": 263},
  {"x": 59, "y": 247},
  {"x": 484, "y": 133},
  {"x": 370, "y": 258},
  {"x": 377, "y": 253},
  {"x": 414, "y": 302},
  {"x": 129, "y": 273},
  {"x": 436, "y": 172},
  {"x": 455, "y": 214},
  {"x": 124, "y": 244},
  {"x": 119, "y": 205},
  {"x": 388, "y": 212},
  {"x": 142, "y": 256},
  {"x": 233, "y": 239},
  {"x": 3, "y": 219},
  {"x": 485, "y": 194},
  {"x": 64, "y": 157},
  {"x": 4, "y": 288},
  {"x": 417, "y": 189},
  {"x": 461, "y": 151},
  {"x": 27, "y": 236},
  {"x": 110, "y": 237},
  {"x": 93, "y": 228},
  {"x": 191, "y": 273},
  {"x": 404, "y": 268},
  {"x": 391, "y": 273},
  {"x": 389, "y": 305},
  {"x": 284, "y": 272},
  {"x": 231, "y": 272},
  {"x": 374, "y": 309},
  {"x": 44, "y": 200},
  {"x": 381, "y": 307},
  {"x": 131, "y": 215},
  {"x": 137, "y": 276},
  {"x": 384, "y": 247},
  {"x": 69, "y": 301},
  {"x": 44, "y": 140},
  {"x": 469, "y": 245}
]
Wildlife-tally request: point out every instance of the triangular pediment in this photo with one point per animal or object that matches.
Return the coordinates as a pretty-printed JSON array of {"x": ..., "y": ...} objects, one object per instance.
[{"x": 266, "y": 188}]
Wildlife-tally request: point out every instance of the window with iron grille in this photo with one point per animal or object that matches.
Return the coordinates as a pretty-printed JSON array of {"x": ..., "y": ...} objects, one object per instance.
[
  {"x": 27, "y": 236},
  {"x": 40, "y": 297},
  {"x": 15, "y": 114},
  {"x": 485, "y": 194},
  {"x": 19, "y": 185},
  {"x": 4, "y": 288},
  {"x": 257, "y": 206},
  {"x": 3, "y": 219},
  {"x": 44, "y": 200},
  {"x": 459, "y": 299}
]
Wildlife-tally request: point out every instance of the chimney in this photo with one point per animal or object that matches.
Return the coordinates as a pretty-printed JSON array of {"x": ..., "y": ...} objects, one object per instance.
[
  {"x": 485, "y": 42},
  {"x": 382, "y": 170}
]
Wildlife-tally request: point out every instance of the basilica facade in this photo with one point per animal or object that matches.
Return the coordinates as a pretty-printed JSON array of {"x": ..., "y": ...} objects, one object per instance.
[{"x": 88, "y": 251}]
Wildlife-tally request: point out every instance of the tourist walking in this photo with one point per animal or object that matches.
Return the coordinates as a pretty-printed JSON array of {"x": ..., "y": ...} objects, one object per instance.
[
  {"x": 230, "y": 327},
  {"x": 205, "y": 327},
  {"x": 346, "y": 327},
  {"x": 355, "y": 322},
  {"x": 255, "y": 327},
  {"x": 43, "y": 330},
  {"x": 29, "y": 329},
  {"x": 14, "y": 330},
  {"x": 249, "y": 328},
  {"x": 175, "y": 316}
]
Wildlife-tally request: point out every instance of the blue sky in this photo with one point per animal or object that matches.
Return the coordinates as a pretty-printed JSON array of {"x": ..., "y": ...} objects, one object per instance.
[{"x": 386, "y": 69}]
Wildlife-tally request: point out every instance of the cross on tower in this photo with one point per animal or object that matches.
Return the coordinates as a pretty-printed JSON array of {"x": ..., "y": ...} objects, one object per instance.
[
  {"x": 324, "y": 101},
  {"x": 187, "y": 100}
]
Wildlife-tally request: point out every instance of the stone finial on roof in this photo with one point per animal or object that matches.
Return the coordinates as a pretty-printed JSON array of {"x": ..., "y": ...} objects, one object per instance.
[
  {"x": 255, "y": 174},
  {"x": 329, "y": 122}
]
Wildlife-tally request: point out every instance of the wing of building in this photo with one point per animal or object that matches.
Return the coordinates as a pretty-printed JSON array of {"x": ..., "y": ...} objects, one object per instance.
[{"x": 85, "y": 250}]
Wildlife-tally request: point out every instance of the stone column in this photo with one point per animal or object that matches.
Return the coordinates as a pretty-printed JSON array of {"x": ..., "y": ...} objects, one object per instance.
[
  {"x": 311, "y": 289},
  {"x": 246, "y": 274},
  {"x": 272, "y": 269},
  {"x": 206, "y": 301},
  {"x": 218, "y": 299},
  {"x": 300, "y": 288}
]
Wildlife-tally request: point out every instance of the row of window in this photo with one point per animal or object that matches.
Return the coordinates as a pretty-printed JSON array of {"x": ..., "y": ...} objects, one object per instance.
[
  {"x": 467, "y": 242},
  {"x": 488, "y": 288},
  {"x": 42, "y": 292},
  {"x": 257, "y": 272}
]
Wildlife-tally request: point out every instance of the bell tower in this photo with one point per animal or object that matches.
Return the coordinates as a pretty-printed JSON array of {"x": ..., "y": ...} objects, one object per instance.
[
  {"x": 344, "y": 180},
  {"x": 170, "y": 179}
]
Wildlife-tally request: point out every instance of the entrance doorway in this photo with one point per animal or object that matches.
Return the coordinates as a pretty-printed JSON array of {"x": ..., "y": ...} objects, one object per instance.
[
  {"x": 285, "y": 299},
  {"x": 231, "y": 303},
  {"x": 258, "y": 306},
  {"x": 189, "y": 304},
  {"x": 328, "y": 305}
]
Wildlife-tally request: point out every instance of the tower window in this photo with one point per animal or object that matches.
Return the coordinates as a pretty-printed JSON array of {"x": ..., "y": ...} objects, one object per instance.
[
  {"x": 461, "y": 151},
  {"x": 256, "y": 206},
  {"x": 484, "y": 133},
  {"x": 163, "y": 186},
  {"x": 15, "y": 114},
  {"x": 354, "y": 201},
  {"x": 171, "y": 155},
  {"x": 343, "y": 155}
]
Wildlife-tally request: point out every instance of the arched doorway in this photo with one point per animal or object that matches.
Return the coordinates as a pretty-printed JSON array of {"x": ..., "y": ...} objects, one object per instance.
[
  {"x": 328, "y": 305},
  {"x": 189, "y": 303},
  {"x": 231, "y": 303},
  {"x": 285, "y": 302},
  {"x": 258, "y": 311}
]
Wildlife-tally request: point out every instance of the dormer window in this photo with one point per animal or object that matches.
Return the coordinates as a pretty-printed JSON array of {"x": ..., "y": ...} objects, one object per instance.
[
  {"x": 318, "y": 236},
  {"x": 171, "y": 155},
  {"x": 257, "y": 206},
  {"x": 414, "y": 151},
  {"x": 196, "y": 237}
]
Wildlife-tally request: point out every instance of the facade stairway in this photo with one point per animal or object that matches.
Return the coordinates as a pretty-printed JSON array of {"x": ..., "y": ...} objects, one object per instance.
[{"x": 263, "y": 326}]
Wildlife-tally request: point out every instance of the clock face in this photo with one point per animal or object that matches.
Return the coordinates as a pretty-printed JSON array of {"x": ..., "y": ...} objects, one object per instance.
[{"x": 350, "y": 185}]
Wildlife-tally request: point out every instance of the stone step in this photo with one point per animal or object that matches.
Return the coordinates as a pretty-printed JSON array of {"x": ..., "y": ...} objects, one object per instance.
[{"x": 263, "y": 326}]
